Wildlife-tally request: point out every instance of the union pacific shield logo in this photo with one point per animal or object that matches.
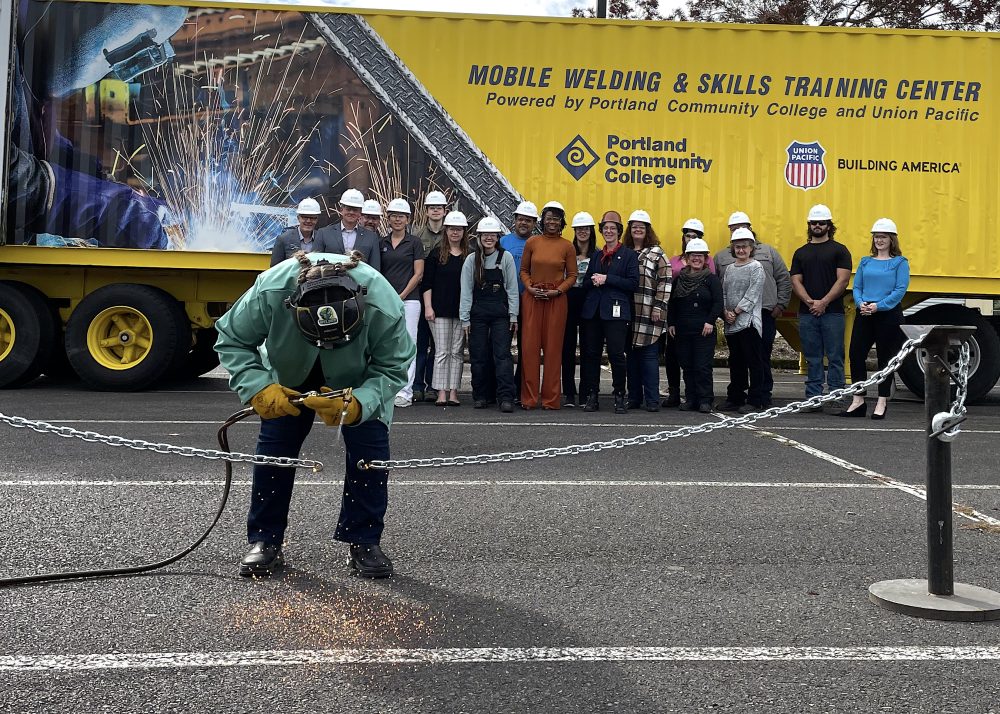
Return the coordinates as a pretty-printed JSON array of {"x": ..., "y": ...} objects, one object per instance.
[{"x": 805, "y": 168}]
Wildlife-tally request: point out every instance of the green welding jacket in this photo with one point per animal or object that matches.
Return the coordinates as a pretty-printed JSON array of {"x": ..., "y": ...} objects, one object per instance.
[{"x": 374, "y": 363}]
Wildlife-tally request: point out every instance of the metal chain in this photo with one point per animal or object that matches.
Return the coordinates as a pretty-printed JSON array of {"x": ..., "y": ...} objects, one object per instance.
[
  {"x": 140, "y": 445},
  {"x": 726, "y": 423},
  {"x": 946, "y": 425}
]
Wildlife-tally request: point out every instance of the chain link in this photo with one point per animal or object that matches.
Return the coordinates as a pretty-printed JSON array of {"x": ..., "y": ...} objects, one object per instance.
[
  {"x": 726, "y": 423},
  {"x": 140, "y": 445}
]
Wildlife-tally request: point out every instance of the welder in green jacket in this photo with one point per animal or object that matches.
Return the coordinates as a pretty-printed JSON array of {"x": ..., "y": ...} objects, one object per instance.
[{"x": 326, "y": 321}]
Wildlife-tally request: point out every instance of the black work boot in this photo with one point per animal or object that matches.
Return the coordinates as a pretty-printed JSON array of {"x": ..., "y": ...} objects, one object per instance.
[
  {"x": 620, "y": 407},
  {"x": 261, "y": 560},
  {"x": 369, "y": 560},
  {"x": 592, "y": 404}
]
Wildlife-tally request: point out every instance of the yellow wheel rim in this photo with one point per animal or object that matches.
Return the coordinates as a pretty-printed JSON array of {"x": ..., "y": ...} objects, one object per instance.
[
  {"x": 7, "y": 335},
  {"x": 119, "y": 338}
]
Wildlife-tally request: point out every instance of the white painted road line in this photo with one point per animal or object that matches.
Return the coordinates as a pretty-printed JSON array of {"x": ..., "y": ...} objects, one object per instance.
[
  {"x": 488, "y": 655},
  {"x": 917, "y": 491}
]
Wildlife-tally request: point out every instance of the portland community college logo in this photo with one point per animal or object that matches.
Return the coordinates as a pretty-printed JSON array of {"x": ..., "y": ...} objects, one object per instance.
[
  {"x": 805, "y": 168},
  {"x": 577, "y": 158}
]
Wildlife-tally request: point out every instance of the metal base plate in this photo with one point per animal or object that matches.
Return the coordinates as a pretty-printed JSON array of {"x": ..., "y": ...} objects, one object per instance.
[{"x": 910, "y": 597}]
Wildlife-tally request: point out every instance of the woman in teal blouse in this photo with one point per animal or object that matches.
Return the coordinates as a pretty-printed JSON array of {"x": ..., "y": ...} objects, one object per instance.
[{"x": 879, "y": 286}]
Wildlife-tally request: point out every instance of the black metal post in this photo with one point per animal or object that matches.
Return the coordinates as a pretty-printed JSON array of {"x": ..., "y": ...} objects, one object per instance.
[
  {"x": 937, "y": 398},
  {"x": 602, "y": 8}
]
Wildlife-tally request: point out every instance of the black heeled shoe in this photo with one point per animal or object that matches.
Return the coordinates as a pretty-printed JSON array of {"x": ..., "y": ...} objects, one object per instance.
[
  {"x": 879, "y": 417},
  {"x": 856, "y": 412}
]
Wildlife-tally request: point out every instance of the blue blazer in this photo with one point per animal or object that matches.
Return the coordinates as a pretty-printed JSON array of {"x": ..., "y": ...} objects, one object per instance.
[
  {"x": 366, "y": 243},
  {"x": 623, "y": 280}
]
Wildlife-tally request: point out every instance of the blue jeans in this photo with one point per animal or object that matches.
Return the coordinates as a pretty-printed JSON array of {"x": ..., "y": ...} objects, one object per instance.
[
  {"x": 424, "y": 370},
  {"x": 644, "y": 374},
  {"x": 821, "y": 337},
  {"x": 365, "y": 498}
]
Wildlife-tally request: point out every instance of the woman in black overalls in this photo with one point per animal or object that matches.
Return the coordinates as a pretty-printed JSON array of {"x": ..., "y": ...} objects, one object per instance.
[{"x": 488, "y": 311}]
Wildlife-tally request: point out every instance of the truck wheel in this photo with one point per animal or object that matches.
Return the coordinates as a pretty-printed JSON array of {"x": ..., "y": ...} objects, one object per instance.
[
  {"x": 984, "y": 349},
  {"x": 126, "y": 337},
  {"x": 27, "y": 333},
  {"x": 202, "y": 357}
]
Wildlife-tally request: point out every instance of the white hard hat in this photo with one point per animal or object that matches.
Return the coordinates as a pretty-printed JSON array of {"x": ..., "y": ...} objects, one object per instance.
[
  {"x": 696, "y": 245},
  {"x": 398, "y": 205},
  {"x": 371, "y": 208},
  {"x": 554, "y": 205},
  {"x": 819, "y": 212},
  {"x": 885, "y": 225},
  {"x": 527, "y": 208},
  {"x": 456, "y": 218},
  {"x": 741, "y": 234},
  {"x": 583, "y": 220},
  {"x": 737, "y": 217},
  {"x": 435, "y": 198},
  {"x": 489, "y": 224},
  {"x": 308, "y": 207},
  {"x": 352, "y": 197},
  {"x": 639, "y": 215},
  {"x": 693, "y": 224}
]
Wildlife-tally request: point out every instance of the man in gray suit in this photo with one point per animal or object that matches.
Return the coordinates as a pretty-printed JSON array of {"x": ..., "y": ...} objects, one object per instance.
[
  {"x": 303, "y": 237},
  {"x": 349, "y": 234}
]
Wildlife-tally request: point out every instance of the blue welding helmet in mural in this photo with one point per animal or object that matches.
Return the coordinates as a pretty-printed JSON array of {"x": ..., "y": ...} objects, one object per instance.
[{"x": 121, "y": 41}]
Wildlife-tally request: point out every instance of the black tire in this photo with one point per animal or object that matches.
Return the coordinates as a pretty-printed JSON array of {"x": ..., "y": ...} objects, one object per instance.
[
  {"x": 985, "y": 349},
  {"x": 27, "y": 333},
  {"x": 202, "y": 357},
  {"x": 126, "y": 337}
]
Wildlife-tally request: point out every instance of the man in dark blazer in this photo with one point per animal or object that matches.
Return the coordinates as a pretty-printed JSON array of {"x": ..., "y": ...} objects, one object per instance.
[
  {"x": 302, "y": 237},
  {"x": 349, "y": 234}
]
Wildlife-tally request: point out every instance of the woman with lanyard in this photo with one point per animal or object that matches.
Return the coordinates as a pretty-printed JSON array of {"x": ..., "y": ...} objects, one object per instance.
[
  {"x": 488, "y": 311},
  {"x": 442, "y": 290},
  {"x": 880, "y": 283},
  {"x": 695, "y": 305},
  {"x": 611, "y": 279},
  {"x": 403, "y": 267},
  {"x": 585, "y": 245},
  {"x": 649, "y": 312},
  {"x": 548, "y": 269}
]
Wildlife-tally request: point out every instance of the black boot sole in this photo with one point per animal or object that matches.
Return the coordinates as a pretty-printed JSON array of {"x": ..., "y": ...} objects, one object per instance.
[
  {"x": 372, "y": 573},
  {"x": 262, "y": 570}
]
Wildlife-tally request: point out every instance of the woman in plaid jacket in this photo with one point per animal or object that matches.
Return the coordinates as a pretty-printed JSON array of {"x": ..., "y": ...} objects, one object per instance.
[{"x": 649, "y": 313}]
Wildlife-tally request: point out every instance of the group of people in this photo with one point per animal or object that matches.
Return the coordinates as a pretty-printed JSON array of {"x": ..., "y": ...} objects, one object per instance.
[
  {"x": 387, "y": 316},
  {"x": 626, "y": 299}
]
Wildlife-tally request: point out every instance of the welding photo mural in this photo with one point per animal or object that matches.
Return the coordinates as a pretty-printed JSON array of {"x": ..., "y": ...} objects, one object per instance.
[{"x": 176, "y": 128}]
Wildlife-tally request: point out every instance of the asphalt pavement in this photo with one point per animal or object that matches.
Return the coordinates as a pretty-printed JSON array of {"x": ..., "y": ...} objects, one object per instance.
[{"x": 722, "y": 571}]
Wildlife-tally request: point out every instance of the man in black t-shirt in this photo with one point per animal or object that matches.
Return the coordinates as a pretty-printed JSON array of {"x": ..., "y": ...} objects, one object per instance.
[{"x": 820, "y": 272}]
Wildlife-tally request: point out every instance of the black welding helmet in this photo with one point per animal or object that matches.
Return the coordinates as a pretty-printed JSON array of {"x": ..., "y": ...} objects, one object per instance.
[{"x": 328, "y": 309}]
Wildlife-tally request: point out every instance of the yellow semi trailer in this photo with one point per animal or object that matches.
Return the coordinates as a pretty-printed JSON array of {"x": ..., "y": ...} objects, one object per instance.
[{"x": 154, "y": 151}]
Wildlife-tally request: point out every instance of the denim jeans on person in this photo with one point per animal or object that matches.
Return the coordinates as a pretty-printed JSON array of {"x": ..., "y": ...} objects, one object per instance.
[
  {"x": 362, "y": 508},
  {"x": 770, "y": 328},
  {"x": 643, "y": 374},
  {"x": 821, "y": 337},
  {"x": 423, "y": 376}
]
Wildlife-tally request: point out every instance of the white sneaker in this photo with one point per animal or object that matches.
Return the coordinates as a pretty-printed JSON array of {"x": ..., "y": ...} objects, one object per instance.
[{"x": 401, "y": 402}]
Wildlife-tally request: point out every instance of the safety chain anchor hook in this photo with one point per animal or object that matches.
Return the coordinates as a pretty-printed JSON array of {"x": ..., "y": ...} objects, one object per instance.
[{"x": 945, "y": 425}]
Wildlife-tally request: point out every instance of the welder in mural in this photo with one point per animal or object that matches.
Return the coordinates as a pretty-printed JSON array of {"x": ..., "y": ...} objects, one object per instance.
[{"x": 58, "y": 190}]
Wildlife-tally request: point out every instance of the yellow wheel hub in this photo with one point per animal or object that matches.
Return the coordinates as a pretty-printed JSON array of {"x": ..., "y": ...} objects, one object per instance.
[
  {"x": 7, "y": 335},
  {"x": 119, "y": 337}
]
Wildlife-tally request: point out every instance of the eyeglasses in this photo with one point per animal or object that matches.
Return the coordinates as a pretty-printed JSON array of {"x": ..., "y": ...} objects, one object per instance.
[
  {"x": 817, "y": 223},
  {"x": 690, "y": 235}
]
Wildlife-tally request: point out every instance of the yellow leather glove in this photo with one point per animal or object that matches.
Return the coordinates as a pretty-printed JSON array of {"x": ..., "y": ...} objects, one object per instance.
[
  {"x": 330, "y": 409},
  {"x": 272, "y": 402}
]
